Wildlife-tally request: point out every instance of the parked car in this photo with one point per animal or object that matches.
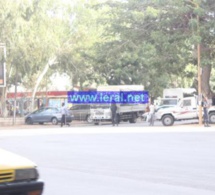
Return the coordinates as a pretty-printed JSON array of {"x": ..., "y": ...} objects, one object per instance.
[
  {"x": 81, "y": 112},
  {"x": 46, "y": 115}
]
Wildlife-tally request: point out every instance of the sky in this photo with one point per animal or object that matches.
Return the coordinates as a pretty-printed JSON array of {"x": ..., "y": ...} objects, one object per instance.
[{"x": 60, "y": 82}]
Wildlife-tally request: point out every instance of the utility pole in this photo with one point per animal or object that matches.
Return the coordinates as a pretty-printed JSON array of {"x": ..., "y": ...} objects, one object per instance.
[
  {"x": 199, "y": 72},
  {"x": 196, "y": 4},
  {"x": 15, "y": 94},
  {"x": 199, "y": 84}
]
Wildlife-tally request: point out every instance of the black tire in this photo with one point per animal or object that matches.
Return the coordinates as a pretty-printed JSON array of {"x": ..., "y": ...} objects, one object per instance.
[
  {"x": 133, "y": 119},
  {"x": 89, "y": 119},
  {"x": 118, "y": 119},
  {"x": 212, "y": 118},
  {"x": 54, "y": 121},
  {"x": 167, "y": 120},
  {"x": 29, "y": 121}
]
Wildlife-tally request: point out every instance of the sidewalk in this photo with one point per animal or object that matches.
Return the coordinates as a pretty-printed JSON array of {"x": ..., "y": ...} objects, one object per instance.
[
  {"x": 21, "y": 125},
  {"x": 9, "y": 121}
]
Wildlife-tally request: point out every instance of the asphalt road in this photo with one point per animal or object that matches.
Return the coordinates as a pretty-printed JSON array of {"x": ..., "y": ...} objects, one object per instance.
[
  {"x": 127, "y": 160},
  {"x": 140, "y": 123}
]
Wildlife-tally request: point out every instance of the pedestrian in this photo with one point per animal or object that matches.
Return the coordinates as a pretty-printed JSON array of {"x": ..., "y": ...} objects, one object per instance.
[
  {"x": 151, "y": 114},
  {"x": 114, "y": 113},
  {"x": 64, "y": 112},
  {"x": 205, "y": 105}
]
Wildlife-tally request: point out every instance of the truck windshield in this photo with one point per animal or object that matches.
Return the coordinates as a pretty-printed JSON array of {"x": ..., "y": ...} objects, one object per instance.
[
  {"x": 103, "y": 106},
  {"x": 169, "y": 102}
]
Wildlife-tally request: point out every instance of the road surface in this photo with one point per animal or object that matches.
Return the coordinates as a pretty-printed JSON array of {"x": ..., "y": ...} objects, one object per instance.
[{"x": 128, "y": 160}]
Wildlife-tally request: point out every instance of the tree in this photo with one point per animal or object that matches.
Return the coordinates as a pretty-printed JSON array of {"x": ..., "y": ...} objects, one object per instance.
[{"x": 165, "y": 32}]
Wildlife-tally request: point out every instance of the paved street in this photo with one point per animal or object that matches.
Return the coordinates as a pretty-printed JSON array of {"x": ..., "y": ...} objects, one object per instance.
[
  {"x": 140, "y": 123},
  {"x": 124, "y": 160}
]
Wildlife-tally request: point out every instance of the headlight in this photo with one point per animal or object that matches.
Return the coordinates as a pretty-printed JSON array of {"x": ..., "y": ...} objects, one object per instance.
[{"x": 26, "y": 174}]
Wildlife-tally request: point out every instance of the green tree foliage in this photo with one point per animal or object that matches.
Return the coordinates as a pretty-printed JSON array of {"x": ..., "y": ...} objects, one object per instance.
[
  {"x": 115, "y": 42},
  {"x": 152, "y": 42}
]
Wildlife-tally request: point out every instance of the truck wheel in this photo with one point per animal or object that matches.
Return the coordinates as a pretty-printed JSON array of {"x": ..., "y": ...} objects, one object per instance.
[
  {"x": 118, "y": 118},
  {"x": 89, "y": 119},
  {"x": 212, "y": 117},
  {"x": 167, "y": 120},
  {"x": 133, "y": 119}
]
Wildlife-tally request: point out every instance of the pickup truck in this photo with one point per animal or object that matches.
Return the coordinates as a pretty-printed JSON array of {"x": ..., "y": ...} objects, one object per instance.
[{"x": 186, "y": 109}]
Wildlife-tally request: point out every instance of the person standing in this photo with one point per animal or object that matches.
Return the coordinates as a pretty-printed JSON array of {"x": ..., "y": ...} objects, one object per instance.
[
  {"x": 114, "y": 113},
  {"x": 64, "y": 112},
  {"x": 205, "y": 105},
  {"x": 151, "y": 114}
]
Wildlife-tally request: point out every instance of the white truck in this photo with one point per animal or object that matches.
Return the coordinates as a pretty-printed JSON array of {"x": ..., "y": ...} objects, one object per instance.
[
  {"x": 126, "y": 112},
  {"x": 172, "y": 96},
  {"x": 186, "y": 109}
]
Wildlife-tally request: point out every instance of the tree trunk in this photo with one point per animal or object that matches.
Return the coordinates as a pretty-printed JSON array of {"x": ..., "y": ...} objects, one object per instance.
[
  {"x": 50, "y": 63},
  {"x": 4, "y": 111},
  {"x": 206, "y": 90}
]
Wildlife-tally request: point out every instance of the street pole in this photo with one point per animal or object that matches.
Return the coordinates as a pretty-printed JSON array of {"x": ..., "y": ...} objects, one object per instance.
[
  {"x": 14, "y": 103},
  {"x": 199, "y": 84},
  {"x": 199, "y": 74}
]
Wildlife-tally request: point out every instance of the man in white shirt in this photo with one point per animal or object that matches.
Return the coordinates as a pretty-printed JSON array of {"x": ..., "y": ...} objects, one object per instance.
[
  {"x": 64, "y": 112},
  {"x": 152, "y": 114}
]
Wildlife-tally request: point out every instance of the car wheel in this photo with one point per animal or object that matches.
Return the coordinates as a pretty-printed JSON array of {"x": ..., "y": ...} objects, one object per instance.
[
  {"x": 167, "y": 120},
  {"x": 89, "y": 119},
  {"x": 212, "y": 117},
  {"x": 54, "y": 121},
  {"x": 29, "y": 121}
]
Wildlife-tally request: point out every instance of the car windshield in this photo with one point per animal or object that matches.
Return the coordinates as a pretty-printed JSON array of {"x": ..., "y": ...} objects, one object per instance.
[
  {"x": 38, "y": 111},
  {"x": 46, "y": 109}
]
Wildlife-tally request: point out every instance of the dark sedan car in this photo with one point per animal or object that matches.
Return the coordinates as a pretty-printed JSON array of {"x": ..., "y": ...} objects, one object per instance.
[
  {"x": 46, "y": 115},
  {"x": 81, "y": 112}
]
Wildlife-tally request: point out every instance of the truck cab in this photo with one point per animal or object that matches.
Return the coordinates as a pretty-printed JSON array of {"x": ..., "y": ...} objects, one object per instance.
[{"x": 18, "y": 175}]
